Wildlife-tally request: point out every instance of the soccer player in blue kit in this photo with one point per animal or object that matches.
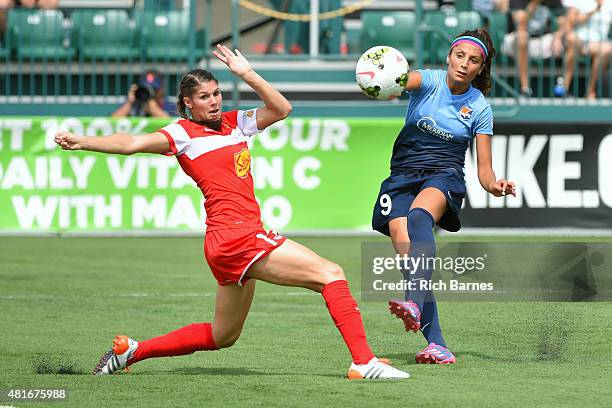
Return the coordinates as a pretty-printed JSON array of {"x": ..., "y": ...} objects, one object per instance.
[{"x": 446, "y": 111}]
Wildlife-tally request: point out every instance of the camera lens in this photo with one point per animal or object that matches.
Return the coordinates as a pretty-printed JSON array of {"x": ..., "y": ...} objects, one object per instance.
[{"x": 143, "y": 94}]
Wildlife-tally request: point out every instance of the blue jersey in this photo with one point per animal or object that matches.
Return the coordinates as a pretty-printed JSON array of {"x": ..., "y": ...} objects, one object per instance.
[{"x": 439, "y": 125}]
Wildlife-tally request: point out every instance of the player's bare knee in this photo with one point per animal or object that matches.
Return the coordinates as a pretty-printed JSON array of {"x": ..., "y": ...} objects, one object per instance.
[
  {"x": 325, "y": 274},
  {"x": 332, "y": 272}
]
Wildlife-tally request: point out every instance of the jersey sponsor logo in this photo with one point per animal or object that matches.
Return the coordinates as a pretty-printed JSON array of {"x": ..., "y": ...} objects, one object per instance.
[
  {"x": 242, "y": 162},
  {"x": 465, "y": 112},
  {"x": 429, "y": 125}
]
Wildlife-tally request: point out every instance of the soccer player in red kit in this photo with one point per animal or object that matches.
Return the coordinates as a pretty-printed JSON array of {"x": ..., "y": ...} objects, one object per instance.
[{"x": 211, "y": 147}]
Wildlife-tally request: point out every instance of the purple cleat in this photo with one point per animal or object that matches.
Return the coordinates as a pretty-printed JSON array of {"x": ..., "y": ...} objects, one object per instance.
[
  {"x": 408, "y": 311},
  {"x": 435, "y": 354}
]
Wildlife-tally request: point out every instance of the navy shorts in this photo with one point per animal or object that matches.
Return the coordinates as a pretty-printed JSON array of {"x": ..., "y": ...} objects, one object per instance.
[{"x": 398, "y": 191}]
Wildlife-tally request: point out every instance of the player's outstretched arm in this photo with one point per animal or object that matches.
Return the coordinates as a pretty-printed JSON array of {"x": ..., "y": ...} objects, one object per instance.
[
  {"x": 486, "y": 175},
  {"x": 119, "y": 143},
  {"x": 276, "y": 108},
  {"x": 414, "y": 81}
]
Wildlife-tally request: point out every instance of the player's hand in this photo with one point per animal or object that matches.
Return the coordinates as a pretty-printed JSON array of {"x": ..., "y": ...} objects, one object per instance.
[
  {"x": 234, "y": 61},
  {"x": 502, "y": 187},
  {"x": 68, "y": 141}
]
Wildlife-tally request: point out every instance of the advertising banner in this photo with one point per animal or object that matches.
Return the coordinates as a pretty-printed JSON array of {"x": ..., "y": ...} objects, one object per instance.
[
  {"x": 310, "y": 174},
  {"x": 563, "y": 172}
]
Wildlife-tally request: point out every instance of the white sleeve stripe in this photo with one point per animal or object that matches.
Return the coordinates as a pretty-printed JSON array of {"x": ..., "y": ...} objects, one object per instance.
[
  {"x": 180, "y": 137},
  {"x": 206, "y": 144},
  {"x": 248, "y": 125}
]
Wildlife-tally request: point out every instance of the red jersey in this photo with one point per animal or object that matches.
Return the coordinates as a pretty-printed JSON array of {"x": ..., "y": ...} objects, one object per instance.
[{"x": 220, "y": 164}]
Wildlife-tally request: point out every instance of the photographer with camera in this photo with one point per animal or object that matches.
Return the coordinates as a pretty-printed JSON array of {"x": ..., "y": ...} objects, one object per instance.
[{"x": 147, "y": 98}]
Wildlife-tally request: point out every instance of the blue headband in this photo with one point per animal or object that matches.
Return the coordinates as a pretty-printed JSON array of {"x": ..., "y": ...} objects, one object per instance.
[{"x": 472, "y": 40}]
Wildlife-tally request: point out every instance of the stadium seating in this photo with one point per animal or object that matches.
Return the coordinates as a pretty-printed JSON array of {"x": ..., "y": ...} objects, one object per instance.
[
  {"x": 297, "y": 34},
  {"x": 389, "y": 28},
  {"x": 104, "y": 34},
  {"x": 498, "y": 26},
  {"x": 443, "y": 26},
  {"x": 39, "y": 34},
  {"x": 5, "y": 46},
  {"x": 165, "y": 35},
  {"x": 463, "y": 5}
]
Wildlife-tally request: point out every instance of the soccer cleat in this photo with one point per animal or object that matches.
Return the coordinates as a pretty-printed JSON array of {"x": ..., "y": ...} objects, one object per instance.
[
  {"x": 375, "y": 369},
  {"x": 408, "y": 311},
  {"x": 117, "y": 357},
  {"x": 435, "y": 354}
]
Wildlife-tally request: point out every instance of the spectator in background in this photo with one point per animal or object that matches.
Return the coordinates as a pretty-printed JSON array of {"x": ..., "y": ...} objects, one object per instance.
[
  {"x": 41, "y": 4},
  {"x": 4, "y": 6},
  {"x": 486, "y": 7},
  {"x": 147, "y": 98},
  {"x": 590, "y": 22},
  {"x": 530, "y": 34}
]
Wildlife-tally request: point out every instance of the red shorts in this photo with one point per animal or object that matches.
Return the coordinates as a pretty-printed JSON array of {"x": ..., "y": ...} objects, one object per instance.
[{"x": 231, "y": 252}]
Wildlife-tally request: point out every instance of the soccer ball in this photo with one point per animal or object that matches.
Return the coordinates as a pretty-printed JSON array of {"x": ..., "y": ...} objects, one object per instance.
[{"x": 382, "y": 72}]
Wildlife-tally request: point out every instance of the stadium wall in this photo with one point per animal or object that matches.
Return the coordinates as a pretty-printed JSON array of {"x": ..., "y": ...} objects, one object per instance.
[{"x": 310, "y": 174}]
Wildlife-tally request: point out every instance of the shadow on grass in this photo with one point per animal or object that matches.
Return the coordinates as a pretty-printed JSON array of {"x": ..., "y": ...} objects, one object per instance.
[
  {"x": 206, "y": 371},
  {"x": 408, "y": 358},
  {"x": 491, "y": 357},
  {"x": 399, "y": 358}
]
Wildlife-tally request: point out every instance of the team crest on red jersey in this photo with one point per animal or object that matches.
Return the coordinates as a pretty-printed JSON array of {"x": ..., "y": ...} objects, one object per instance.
[
  {"x": 242, "y": 162},
  {"x": 249, "y": 114},
  {"x": 465, "y": 112}
]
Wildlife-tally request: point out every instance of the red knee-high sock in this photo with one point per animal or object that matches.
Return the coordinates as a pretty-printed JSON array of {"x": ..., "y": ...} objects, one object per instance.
[
  {"x": 186, "y": 340},
  {"x": 343, "y": 309}
]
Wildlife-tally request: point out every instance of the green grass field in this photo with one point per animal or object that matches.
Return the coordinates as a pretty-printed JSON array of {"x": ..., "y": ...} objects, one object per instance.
[{"x": 63, "y": 299}]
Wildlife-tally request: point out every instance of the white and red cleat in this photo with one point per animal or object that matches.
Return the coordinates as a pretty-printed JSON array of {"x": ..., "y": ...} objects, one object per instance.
[
  {"x": 375, "y": 369},
  {"x": 117, "y": 357}
]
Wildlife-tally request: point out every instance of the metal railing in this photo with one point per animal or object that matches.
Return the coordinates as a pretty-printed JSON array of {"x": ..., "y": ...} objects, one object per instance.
[
  {"x": 65, "y": 55},
  {"x": 80, "y": 54}
]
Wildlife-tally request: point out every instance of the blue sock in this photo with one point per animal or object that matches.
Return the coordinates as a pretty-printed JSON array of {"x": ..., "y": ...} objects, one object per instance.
[
  {"x": 430, "y": 326},
  {"x": 422, "y": 247}
]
